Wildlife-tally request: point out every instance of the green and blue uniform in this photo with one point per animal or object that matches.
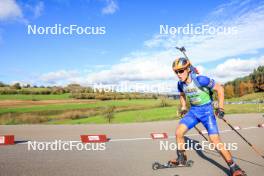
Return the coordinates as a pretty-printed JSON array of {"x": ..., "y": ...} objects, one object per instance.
[{"x": 199, "y": 93}]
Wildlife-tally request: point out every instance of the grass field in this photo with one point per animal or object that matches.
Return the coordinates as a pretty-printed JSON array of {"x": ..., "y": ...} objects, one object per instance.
[
  {"x": 244, "y": 108},
  {"x": 35, "y": 97},
  {"x": 145, "y": 115},
  {"x": 248, "y": 97},
  {"x": 154, "y": 114},
  {"x": 74, "y": 106},
  {"x": 81, "y": 112}
]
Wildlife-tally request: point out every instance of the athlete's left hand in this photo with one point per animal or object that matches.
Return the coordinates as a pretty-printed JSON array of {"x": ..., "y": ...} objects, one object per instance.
[{"x": 220, "y": 113}]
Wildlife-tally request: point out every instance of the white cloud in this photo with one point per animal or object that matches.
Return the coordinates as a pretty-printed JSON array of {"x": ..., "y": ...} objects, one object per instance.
[
  {"x": 152, "y": 70},
  {"x": 137, "y": 68},
  {"x": 110, "y": 8},
  {"x": 9, "y": 9},
  {"x": 224, "y": 11},
  {"x": 149, "y": 76},
  {"x": 61, "y": 77},
  {"x": 157, "y": 40},
  {"x": 234, "y": 68},
  {"x": 38, "y": 9}
]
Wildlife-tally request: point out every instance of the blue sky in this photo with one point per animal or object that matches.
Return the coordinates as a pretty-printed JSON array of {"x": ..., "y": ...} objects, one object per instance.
[{"x": 132, "y": 50}]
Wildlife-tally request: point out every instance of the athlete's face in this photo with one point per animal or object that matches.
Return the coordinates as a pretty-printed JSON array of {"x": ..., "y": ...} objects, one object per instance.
[{"x": 182, "y": 74}]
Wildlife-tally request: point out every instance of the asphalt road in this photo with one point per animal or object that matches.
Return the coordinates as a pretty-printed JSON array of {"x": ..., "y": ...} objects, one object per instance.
[{"x": 130, "y": 151}]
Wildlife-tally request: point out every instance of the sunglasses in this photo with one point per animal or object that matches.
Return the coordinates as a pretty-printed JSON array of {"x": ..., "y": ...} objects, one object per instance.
[{"x": 179, "y": 71}]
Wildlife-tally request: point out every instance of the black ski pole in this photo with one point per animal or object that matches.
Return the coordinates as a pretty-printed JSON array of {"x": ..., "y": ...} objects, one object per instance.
[
  {"x": 253, "y": 147},
  {"x": 197, "y": 129}
]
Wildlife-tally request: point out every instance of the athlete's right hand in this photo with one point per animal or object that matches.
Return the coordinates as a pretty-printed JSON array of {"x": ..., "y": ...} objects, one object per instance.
[{"x": 183, "y": 112}]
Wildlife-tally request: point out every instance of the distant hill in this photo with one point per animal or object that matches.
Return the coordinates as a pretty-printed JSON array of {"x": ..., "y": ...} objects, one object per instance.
[{"x": 252, "y": 83}]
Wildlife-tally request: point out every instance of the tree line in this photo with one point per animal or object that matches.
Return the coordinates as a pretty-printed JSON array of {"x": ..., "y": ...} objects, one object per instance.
[
  {"x": 252, "y": 83},
  {"x": 75, "y": 90}
]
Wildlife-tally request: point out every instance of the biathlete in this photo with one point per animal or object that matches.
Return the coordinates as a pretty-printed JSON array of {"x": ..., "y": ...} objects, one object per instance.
[{"x": 198, "y": 90}]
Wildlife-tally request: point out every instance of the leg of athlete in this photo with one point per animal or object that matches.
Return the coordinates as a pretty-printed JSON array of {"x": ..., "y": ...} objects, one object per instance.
[
  {"x": 186, "y": 123},
  {"x": 209, "y": 122},
  {"x": 234, "y": 168}
]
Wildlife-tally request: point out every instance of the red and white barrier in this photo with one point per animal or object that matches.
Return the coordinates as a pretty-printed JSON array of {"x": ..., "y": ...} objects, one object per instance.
[
  {"x": 7, "y": 139},
  {"x": 261, "y": 125},
  {"x": 159, "y": 135},
  {"x": 94, "y": 138}
]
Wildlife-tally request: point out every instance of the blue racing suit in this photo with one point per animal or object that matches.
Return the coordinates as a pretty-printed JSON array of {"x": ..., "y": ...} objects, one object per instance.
[{"x": 199, "y": 93}]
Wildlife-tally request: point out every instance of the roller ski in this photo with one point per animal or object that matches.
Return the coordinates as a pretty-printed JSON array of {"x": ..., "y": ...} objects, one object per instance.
[
  {"x": 181, "y": 161},
  {"x": 157, "y": 165}
]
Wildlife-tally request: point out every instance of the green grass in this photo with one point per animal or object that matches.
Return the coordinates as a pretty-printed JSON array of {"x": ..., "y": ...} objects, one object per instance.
[
  {"x": 248, "y": 97},
  {"x": 35, "y": 97},
  {"x": 244, "y": 108},
  {"x": 51, "y": 107},
  {"x": 149, "y": 108},
  {"x": 76, "y": 106},
  {"x": 153, "y": 114}
]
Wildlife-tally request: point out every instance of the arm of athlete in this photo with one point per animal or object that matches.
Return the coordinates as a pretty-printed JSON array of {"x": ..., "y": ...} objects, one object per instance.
[
  {"x": 183, "y": 101},
  {"x": 183, "y": 104},
  {"x": 221, "y": 96}
]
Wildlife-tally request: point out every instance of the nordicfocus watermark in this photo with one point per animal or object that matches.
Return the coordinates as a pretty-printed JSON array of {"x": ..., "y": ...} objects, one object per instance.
[
  {"x": 191, "y": 145},
  {"x": 191, "y": 29},
  {"x": 59, "y": 145},
  {"x": 135, "y": 87},
  {"x": 72, "y": 29}
]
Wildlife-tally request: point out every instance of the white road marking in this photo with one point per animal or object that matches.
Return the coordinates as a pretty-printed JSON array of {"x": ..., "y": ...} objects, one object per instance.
[
  {"x": 146, "y": 138},
  {"x": 248, "y": 128}
]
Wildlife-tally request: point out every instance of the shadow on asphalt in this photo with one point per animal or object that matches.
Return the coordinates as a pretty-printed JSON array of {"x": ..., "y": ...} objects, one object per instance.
[
  {"x": 237, "y": 158},
  {"x": 202, "y": 155},
  {"x": 215, "y": 153}
]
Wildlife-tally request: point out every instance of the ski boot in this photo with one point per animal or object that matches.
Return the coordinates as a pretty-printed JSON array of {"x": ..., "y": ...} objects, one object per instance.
[
  {"x": 236, "y": 171},
  {"x": 181, "y": 160}
]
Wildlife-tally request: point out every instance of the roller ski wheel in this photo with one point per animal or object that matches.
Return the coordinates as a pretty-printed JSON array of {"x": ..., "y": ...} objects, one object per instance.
[
  {"x": 239, "y": 173},
  {"x": 157, "y": 165}
]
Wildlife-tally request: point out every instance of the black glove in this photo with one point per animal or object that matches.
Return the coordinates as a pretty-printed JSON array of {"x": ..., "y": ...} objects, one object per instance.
[
  {"x": 183, "y": 112},
  {"x": 220, "y": 113}
]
